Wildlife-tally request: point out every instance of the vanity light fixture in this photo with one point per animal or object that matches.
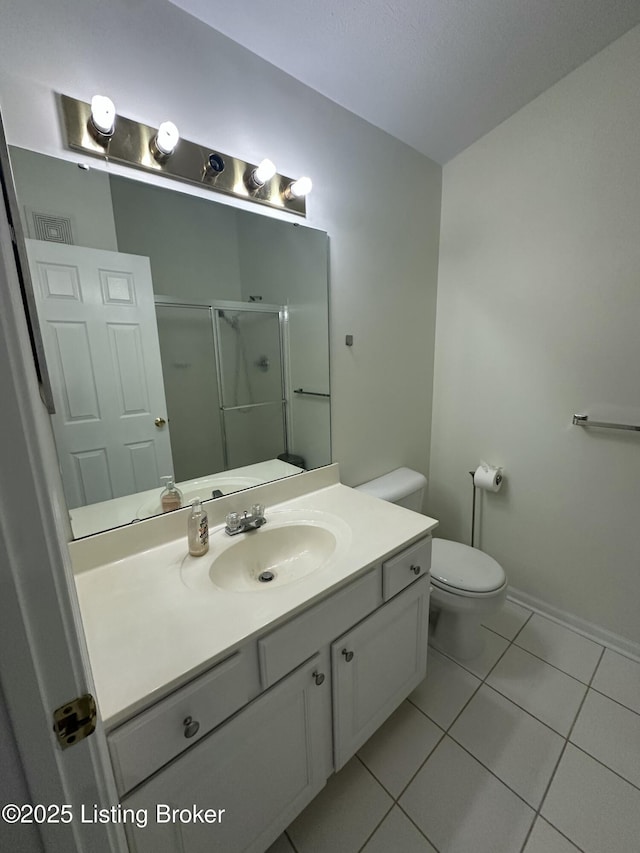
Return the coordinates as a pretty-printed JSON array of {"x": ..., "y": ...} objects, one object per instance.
[
  {"x": 299, "y": 188},
  {"x": 164, "y": 142},
  {"x": 92, "y": 129},
  {"x": 262, "y": 174},
  {"x": 215, "y": 164},
  {"x": 103, "y": 117}
]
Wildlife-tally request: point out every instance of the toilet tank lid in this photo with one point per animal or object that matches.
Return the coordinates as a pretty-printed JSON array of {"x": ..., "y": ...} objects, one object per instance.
[{"x": 395, "y": 485}]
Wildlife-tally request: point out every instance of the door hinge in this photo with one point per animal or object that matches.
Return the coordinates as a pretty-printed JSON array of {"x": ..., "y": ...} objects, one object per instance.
[{"x": 75, "y": 720}]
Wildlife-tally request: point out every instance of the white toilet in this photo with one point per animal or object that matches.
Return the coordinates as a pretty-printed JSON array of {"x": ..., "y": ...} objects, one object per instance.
[{"x": 467, "y": 584}]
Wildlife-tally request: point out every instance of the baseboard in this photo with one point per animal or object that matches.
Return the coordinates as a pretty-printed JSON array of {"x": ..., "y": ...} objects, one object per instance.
[{"x": 580, "y": 626}]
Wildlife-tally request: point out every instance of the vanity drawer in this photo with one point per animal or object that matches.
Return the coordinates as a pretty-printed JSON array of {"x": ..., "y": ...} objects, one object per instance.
[
  {"x": 147, "y": 742},
  {"x": 288, "y": 646},
  {"x": 405, "y": 567}
]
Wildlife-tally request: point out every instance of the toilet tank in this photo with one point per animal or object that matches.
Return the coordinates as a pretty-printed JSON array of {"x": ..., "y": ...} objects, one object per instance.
[{"x": 402, "y": 486}]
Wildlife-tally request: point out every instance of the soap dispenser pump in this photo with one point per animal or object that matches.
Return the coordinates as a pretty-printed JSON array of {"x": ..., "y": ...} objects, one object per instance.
[
  {"x": 170, "y": 496},
  {"x": 198, "y": 530}
]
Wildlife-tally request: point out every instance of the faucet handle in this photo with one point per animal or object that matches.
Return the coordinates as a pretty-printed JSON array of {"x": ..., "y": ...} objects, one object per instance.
[
  {"x": 233, "y": 521},
  {"x": 257, "y": 515}
]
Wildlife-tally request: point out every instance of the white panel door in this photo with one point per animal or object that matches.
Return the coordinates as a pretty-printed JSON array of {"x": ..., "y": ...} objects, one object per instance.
[{"x": 100, "y": 336}]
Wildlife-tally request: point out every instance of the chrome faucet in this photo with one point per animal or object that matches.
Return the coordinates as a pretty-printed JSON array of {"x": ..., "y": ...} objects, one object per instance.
[{"x": 240, "y": 522}]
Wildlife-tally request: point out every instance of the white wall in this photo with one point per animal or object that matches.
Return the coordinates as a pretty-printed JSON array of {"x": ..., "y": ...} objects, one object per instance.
[
  {"x": 13, "y": 789},
  {"x": 539, "y": 317},
  {"x": 378, "y": 200},
  {"x": 193, "y": 246},
  {"x": 59, "y": 188}
]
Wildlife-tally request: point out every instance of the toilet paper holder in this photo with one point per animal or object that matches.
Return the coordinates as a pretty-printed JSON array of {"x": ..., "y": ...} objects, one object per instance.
[{"x": 498, "y": 481}]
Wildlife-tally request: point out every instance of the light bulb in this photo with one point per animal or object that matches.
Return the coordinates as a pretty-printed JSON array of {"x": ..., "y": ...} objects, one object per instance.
[
  {"x": 167, "y": 138},
  {"x": 265, "y": 171},
  {"x": 299, "y": 188},
  {"x": 103, "y": 114}
]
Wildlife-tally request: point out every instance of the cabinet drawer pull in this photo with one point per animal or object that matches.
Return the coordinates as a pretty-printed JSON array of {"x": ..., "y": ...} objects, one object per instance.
[
  {"x": 191, "y": 727},
  {"x": 415, "y": 569},
  {"x": 319, "y": 677},
  {"x": 348, "y": 656}
]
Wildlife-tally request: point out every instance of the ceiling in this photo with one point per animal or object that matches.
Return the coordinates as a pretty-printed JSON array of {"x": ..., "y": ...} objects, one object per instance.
[{"x": 437, "y": 74}]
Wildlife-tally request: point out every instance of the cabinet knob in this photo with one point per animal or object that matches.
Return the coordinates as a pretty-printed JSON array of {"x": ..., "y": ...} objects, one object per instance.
[
  {"x": 319, "y": 677},
  {"x": 191, "y": 726},
  {"x": 415, "y": 569},
  {"x": 348, "y": 656}
]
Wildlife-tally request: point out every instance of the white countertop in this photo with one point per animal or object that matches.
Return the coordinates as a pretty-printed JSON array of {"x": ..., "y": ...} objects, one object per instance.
[{"x": 148, "y": 632}]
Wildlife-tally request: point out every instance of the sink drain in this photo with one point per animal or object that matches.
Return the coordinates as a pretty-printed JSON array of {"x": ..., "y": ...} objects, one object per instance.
[{"x": 265, "y": 577}]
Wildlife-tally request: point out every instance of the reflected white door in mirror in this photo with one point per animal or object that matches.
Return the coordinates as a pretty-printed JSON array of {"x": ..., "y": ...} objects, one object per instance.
[{"x": 97, "y": 315}]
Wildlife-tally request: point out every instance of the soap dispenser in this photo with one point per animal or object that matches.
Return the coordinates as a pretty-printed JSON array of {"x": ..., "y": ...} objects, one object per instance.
[
  {"x": 198, "y": 530},
  {"x": 170, "y": 496}
]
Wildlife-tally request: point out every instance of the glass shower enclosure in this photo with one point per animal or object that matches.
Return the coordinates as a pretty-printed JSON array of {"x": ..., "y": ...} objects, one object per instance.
[{"x": 224, "y": 366}]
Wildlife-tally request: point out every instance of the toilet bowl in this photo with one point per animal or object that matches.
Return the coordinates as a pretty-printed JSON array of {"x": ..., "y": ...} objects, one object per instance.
[{"x": 467, "y": 585}]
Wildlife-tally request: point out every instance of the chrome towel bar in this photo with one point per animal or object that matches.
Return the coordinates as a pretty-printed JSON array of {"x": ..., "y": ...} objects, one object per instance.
[
  {"x": 583, "y": 420},
  {"x": 310, "y": 393}
]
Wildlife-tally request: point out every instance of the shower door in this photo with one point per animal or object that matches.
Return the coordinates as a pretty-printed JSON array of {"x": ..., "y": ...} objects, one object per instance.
[
  {"x": 188, "y": 365},
  {"x": 250, "y": 362}
]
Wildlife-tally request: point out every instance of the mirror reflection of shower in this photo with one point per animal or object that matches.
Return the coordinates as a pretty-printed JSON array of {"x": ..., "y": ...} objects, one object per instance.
[
  {"x": 241, "y": 372},
  {"x": 225, "y": 382}
]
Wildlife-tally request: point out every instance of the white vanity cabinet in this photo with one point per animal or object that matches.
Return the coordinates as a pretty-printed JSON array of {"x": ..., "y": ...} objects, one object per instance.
[
  {"x": 376, "y": 665},
  {"x": 323, "y": 681},
  {"x": 262, "y": 767}
]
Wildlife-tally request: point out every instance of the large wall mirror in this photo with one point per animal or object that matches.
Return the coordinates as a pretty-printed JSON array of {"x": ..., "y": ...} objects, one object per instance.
[{"x": 185, "y": 339}]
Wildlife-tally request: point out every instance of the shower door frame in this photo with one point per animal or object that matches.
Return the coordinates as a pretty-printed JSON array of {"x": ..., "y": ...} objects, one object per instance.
[{"x": 214, "y": 305}]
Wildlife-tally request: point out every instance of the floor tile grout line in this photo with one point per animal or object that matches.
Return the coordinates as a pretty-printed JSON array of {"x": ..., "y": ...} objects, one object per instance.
[
  {"x": 522, "y": 627},
  {"x": 525, "y": 710},
  {"x": 396, "y": 800},
  {"x": 531, "y": 714},
  {"x": 557, "y": 668},
  {"x": 424, "y": 713},
  {"x": 413, "y": 776},
  {"x": 376, "y": 827},
  {"x": 562, "y": 625},
  {"x": 373, "y": 776},
  {"x": 470, "y": 671},
  {"x": 498, "y": 634},
  {"x": 559, "y": 831},
  {"x": 482, "y": 681},
  {"x": 422, "y": 833},
  {"x": 492, "y": 772},
  {"x": 562, "y": 752},
  {"x": 602, "y": 764},
  {"x": 575, "y": 677},
  {"x": 617, "y": 701}
]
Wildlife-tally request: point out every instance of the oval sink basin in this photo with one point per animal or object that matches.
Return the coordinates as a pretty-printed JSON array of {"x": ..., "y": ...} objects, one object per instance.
[
  {"x": 271, "y": 557},
  {"x": 291, "y": 546}
]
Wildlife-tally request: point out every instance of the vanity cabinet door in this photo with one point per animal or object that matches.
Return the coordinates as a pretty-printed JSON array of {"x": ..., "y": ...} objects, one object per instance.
[
  {"x": 376, "y": 665},
  {"x": 262, "y": 767}
]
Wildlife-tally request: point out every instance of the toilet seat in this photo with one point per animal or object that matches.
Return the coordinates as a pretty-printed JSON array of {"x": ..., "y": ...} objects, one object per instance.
[{"x": 462, "y": 570}]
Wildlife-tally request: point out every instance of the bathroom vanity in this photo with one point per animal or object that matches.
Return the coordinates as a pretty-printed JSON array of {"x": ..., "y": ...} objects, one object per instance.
[{"x": 239, "y": 699}]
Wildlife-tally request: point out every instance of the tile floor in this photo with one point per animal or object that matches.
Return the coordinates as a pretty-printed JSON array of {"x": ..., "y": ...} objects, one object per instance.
[{"x": 532, "y": 748}]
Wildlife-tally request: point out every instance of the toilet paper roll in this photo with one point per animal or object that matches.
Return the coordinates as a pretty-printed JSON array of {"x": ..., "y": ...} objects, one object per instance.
[{"x": 487, "y": 477}]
